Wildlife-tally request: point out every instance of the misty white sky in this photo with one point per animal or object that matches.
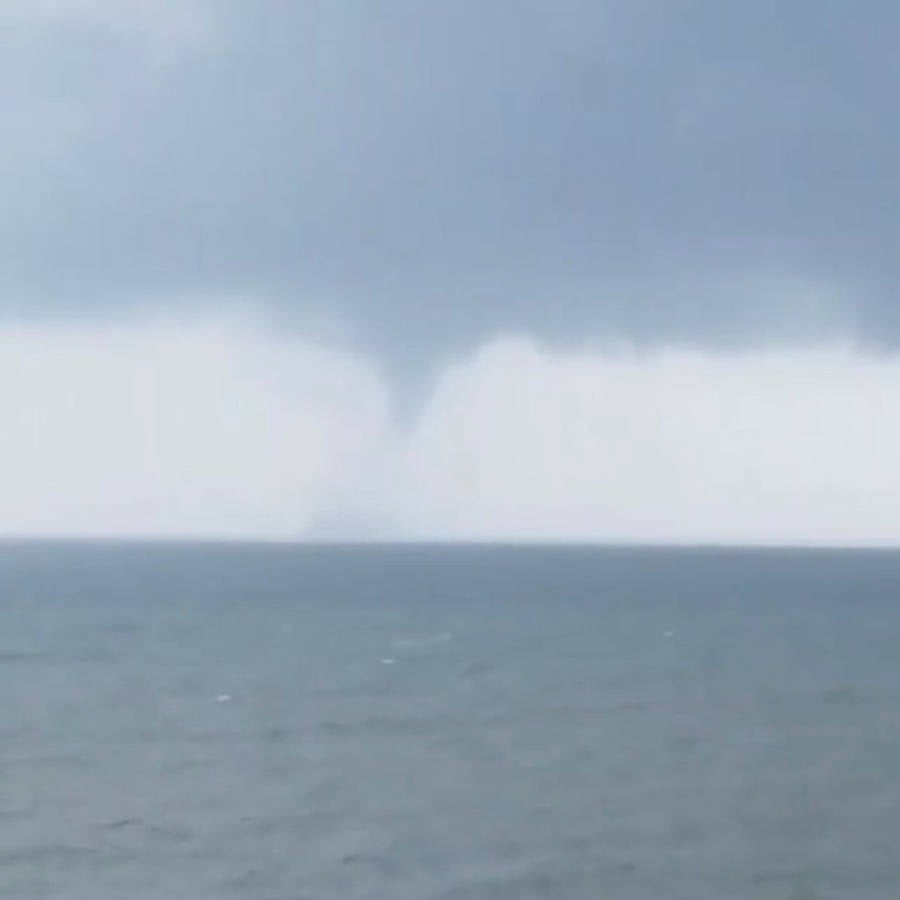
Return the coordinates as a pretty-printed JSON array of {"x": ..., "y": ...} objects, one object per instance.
[{"x": 497, "y": 270}]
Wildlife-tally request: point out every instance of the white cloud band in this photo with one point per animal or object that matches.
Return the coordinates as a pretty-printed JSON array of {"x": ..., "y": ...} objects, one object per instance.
[{"x": 216, "y": 429}]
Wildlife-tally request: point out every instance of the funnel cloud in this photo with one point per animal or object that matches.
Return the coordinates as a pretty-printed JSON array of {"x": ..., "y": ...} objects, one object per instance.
[{"x": 480, "y": 270}]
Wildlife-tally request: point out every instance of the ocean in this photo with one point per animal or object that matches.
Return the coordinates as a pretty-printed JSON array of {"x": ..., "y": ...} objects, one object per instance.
[{"x": 448, "y": 723}]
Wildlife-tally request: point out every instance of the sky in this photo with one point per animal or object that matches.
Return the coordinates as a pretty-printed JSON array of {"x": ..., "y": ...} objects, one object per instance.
[{"x": 593, "y": 270}]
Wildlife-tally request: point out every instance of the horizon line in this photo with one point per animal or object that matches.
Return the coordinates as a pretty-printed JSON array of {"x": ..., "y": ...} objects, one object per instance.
[{"x": 444, "y": 543}]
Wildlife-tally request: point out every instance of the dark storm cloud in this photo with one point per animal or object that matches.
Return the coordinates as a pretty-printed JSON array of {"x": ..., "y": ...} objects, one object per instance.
[{"x": 441, "y": 171}]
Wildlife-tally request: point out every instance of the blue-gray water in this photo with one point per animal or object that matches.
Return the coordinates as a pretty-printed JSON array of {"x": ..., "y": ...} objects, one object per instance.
[{"x": 409, "y": 723}]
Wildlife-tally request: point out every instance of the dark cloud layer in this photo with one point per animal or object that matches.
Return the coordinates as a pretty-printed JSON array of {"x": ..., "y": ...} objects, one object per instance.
[{"x": 443, "y": 171}]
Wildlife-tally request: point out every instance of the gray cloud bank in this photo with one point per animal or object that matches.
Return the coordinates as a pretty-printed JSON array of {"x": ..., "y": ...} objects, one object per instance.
[
  {"x": 436, "y": 173},
  {"x": 630, "y": 259}
]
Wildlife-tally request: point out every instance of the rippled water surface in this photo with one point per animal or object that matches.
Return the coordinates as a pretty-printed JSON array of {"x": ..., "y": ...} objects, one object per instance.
[{"x": 332, "y": 723}]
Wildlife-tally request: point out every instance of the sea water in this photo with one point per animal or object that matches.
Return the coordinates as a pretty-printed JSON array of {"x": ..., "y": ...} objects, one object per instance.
[{"x": 417, "y": 722}]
